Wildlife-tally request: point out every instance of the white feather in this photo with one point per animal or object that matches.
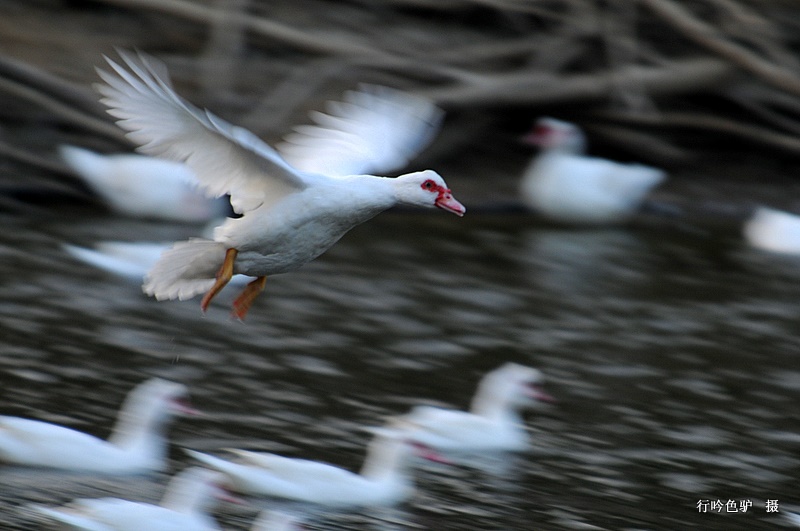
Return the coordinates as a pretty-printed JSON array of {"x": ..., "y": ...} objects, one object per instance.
[{"x": 374, "y": 130}]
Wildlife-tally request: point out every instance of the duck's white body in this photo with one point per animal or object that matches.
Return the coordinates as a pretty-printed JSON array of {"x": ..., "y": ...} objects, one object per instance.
[
  {"x": 137, "y": 443},
  {"x": 493, "y": 422},
  {"x": 773, "y": 230},
  {"x": 141, "y": 186},
  {"x": 383, "y": 480},
  {"x": 184, "y": 508},
  {"x": 564, "y": 185},
  {"x": 289, "y": 216}
]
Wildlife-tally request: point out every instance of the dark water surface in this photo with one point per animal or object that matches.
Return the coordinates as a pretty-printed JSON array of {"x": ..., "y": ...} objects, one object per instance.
[{"x": 674, "y": 357}]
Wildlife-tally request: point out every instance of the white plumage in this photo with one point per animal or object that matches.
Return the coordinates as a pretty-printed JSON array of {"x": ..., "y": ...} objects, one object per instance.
[
  {"x": 773, "y": 230},
  {"x": 137, "y": 443},
  {"x": 141, "y": 186},
  {"x": 374, "y": 129},
  {"x": 493, "y": 421},
  {"x": 130, "y": 260},
  {"x": 184, "y": 507},
  {"x": 289, "y": 216},
  {"x": 384, "y": 479},
  {"x": 564, "y": 185}
]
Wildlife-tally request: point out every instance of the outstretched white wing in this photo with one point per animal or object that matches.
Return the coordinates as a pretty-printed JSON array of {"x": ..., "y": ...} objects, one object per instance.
[
  {"x": 225, "y": 158},
  {"x": 374, "y": 130}
]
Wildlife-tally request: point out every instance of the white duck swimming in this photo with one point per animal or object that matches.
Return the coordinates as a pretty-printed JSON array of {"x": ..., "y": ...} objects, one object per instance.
[
  {"x": 184, "y": 507},
  {"x": 137, "y": 443},
  {"x": 773, "y": 230},
  {"x": 145, "y": 187},
  {"x": 564, "y": 185},
  {"x": 384, "y": 479},
  {"x": 289, "y": 216},
  {"x": 493, "y": 421}
]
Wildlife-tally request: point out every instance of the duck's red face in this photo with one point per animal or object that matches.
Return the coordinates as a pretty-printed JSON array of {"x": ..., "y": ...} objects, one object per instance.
[
  {"x": 537, "y": 392},
  {"x": 426, "y": 452},
  {"x": 444, "y": 199},
  {"x": 549, "y": 133},
  {"x": 538, "y": 136},
  {"x": 183, "y": 406}
]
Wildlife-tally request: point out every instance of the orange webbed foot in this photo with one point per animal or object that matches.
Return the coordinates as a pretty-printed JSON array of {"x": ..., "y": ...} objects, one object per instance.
[
  {"x": 224, "y": 276},
  {"x": 243, "y": 302}
]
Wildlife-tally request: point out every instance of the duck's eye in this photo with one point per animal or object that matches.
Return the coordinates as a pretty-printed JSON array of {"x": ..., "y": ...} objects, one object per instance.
[{"x": 429, "y": 185}]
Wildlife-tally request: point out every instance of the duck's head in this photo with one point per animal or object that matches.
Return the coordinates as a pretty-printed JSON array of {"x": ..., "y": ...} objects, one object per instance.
[
  {"x": 515, "y": 384},
  {"x": 198, "y": 489},
  {"x": 552, "y": 134},
  {"x": 427, "y": 189},
  {"x": 156, "y": 401}
]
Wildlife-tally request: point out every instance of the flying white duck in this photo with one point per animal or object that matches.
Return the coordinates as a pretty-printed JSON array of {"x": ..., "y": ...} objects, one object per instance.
[
  {"x": 289, "y": 215},
  {"x": 773, "y": 230},
  {"x": 493, "y": 421},
  {"x": 137, "y": 443},
  {"x": 564, "y": 185},
  {"x": 189, "y": 497},
  {"x": 141, "y": 186},
  {"x": 384, "y": 479}
]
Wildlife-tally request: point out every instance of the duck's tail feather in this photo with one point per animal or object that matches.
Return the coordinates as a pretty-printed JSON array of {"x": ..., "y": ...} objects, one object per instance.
[{"x": 185, "y": 270}]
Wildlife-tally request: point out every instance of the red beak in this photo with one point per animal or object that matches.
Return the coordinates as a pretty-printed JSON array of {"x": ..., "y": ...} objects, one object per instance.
[
  {"x": 183, "y": 406},
  {"x": 426, "y": 452},
  {"x": 447, "y": 202},
  {"x": 537, "y": 393},
  {"x": 539, "y": 136}
]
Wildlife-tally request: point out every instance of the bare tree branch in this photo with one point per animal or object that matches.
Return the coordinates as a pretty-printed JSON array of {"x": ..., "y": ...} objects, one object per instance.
[
  {"x": 708, "y": 122},
  {"x": 708, "y": 36},
  {"x": 534, "y": 88},
  {"x": 62, "y": 110}
]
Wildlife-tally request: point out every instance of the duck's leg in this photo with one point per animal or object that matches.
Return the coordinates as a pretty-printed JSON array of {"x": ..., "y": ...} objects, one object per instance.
[
  {"x": 224, "y": 276},
  {"x": 245, "y": 300}
]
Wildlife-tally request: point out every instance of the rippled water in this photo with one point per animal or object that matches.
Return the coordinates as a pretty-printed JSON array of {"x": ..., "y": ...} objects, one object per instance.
[{"x": 673, "y": 356}]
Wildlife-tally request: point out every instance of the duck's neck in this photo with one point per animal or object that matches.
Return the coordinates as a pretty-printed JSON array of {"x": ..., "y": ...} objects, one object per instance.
[
  {"x": 385, "y": 458},
  {"x": 139, "y": 428},
  {"x": 186, "y": 497},
  {"x": 574, "y": 145},
  {"x": 489, "y": 402},
  {"x": 371, "y": 193}
]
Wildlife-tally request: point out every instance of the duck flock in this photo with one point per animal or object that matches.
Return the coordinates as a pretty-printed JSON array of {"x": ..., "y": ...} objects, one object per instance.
[
  {"x": 138, "y": 444},
  {"x": 289, "y": 205}
]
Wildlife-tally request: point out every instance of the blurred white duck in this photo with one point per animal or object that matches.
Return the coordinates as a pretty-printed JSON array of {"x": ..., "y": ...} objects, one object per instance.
[
  {"x": 493, "y": 421},
  {"x": 384, "y": 479},
  {"x": 289, "y": 216},
  {"x": 145, "y": 187},
  {"x": 137, "y": 443},
  {"x": 130, "y": 260},
  {"x": 189, "y": 497},
  {"x": 564, "y": 185},
  {"x": 792, "y": 518},
  {"x": 773, "y": 230}
]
